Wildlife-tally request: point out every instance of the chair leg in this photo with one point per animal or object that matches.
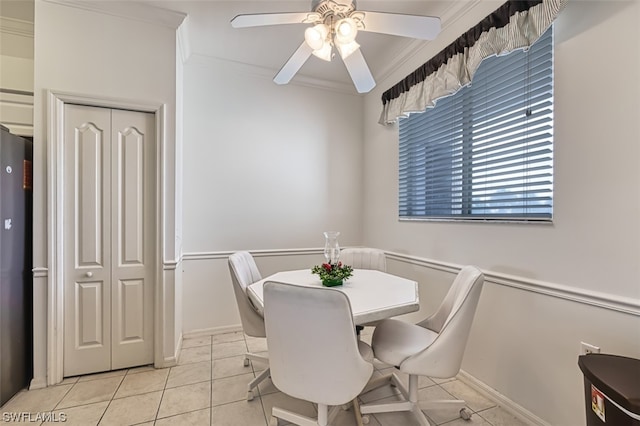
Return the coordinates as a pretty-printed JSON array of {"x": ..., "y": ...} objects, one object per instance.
[
  {"x": 360, "y": 421},
  {"x": 413, "y": 398},
  {"x": 295, "y": 418},
  {"x": 377, "y": 382},
  {"x": 323, "y": 415},
  {"x": 410, "y": 403},
  {"x": 255, "y": 382},
  {"x": 254, "y": 357},
  {"x": 333, "y": 412}
]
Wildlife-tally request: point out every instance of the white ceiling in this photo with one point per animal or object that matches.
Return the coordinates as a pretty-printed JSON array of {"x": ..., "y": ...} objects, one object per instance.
[{"x": 209, "y": 32}]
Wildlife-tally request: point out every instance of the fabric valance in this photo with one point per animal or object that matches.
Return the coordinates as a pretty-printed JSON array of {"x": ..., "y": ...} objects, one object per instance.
[{"x": 517, "y": 24}]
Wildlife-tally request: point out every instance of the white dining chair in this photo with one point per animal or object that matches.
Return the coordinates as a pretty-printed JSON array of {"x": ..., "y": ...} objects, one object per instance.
[
  {"x": 364, "y": 258},
  {"x": 244, "y": 272},
  {"x": 313, "y": 350},
  {"x": 433, "y": 347}
]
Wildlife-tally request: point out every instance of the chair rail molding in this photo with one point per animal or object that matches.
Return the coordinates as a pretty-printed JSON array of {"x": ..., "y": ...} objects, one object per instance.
[
  {"x": 256, "y": 253},
  {"x": 170, "y": 265},
  {"x": 615, "y": 303},
  {"x": 621, "y": 304}
]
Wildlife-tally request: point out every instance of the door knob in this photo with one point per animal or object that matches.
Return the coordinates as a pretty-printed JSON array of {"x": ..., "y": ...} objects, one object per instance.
[{"x": 89, "y": 274}]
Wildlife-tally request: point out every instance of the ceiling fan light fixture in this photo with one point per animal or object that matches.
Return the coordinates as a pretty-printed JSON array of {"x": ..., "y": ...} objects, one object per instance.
[
  {"x": 324, "y": 52},
  {"x": 337, "y": 23},
  {"x": 316, "y": 36},
  {"x": 346, "y": 31},
  {"x": 347, "y": 49}
]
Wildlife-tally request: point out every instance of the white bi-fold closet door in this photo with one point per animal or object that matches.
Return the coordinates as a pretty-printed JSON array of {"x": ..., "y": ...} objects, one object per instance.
[{"x": 109, "y": 238}]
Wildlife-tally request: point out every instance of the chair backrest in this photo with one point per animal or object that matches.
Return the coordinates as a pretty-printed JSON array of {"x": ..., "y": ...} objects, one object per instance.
[
  {"x": 364, "y": 258},
  {"x": 244, "y": 272},
  {"x": 313, "y": 348},
  {"x": 452, "y": 321}
]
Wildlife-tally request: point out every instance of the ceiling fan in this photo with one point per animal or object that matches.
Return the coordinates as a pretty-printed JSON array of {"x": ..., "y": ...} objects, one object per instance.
[{"x": 336, "y": 24}]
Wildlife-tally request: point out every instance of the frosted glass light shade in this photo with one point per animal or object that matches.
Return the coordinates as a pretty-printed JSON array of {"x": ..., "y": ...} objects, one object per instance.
[
  {"x": 346, "y": 31},
  {"x": 316, "y": 36}
]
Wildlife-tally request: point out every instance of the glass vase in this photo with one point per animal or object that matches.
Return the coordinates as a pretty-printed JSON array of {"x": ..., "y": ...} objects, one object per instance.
[{"x": 331, "y": 247}]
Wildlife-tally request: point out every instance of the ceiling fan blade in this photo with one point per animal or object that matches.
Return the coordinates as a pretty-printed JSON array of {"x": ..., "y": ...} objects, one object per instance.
[
  {"x": 359, "y": 72},
  {"x": 263, "y": 19},
  {"x": 295, "y": 62},
  {"x": 414, "y": 26}
]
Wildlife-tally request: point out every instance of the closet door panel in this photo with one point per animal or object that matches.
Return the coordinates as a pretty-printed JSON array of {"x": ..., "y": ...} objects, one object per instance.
[
  {"x": 109, "y": 246},
  {"x": 133, "y": 235},
  {"x": 87, "y": 260}
]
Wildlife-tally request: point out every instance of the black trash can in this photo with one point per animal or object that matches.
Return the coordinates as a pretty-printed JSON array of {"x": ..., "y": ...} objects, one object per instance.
[{"x": 611, "y": 389}]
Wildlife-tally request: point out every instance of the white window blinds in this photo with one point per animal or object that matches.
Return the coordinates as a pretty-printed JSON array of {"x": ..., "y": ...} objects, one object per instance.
[{"x": 485, "y": 152}]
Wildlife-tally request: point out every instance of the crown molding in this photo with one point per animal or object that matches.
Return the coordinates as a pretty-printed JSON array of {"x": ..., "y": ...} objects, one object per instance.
[
  {"x": 129, "y": 10},
  {"x": 16, "y": 27},
  {"x": 183, "y": 40},
  {"x": 452, "y": 14}
]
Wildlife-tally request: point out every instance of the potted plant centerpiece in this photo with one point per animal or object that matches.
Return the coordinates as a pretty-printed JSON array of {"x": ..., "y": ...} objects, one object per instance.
[{"x": 332, "y": 274}]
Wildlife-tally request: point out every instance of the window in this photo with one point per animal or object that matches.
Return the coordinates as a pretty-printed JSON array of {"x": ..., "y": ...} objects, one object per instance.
[{"x": 485, "y": 152}]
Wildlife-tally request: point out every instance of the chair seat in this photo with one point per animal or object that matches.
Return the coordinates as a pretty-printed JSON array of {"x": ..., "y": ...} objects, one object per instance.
[
  {"x": 434, "y": 348},
  {"x": 395, "y": 340},
  {"x": 365, "y": 351}
]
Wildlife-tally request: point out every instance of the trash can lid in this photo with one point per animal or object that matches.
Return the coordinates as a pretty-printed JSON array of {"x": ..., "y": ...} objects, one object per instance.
[{"x": 618, "y": 377}]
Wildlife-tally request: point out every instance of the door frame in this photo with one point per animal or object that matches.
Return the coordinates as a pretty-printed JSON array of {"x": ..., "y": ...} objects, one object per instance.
[{"x": 55, "y": 223}]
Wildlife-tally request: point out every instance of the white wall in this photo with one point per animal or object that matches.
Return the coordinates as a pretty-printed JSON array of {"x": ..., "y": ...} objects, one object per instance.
[
  {"x": 269, "y": 168},
  {"x": 526, "y": 340},
  {"x": 596, "y": 155},
  {"x": 265, "y": 167},
  {"x": 102, "y": 55}
]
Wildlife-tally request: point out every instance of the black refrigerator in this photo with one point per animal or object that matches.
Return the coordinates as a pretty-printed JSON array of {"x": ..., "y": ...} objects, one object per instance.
[{"x": 16, "y": 292}]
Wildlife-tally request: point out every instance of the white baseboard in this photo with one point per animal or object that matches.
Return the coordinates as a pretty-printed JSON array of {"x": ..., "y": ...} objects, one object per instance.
[
  {"x": 211, "y": 331},
  {"x": 504, "y": 402},
  {"x": 170, "y": 361},
  {"x": 38, "y": 383}
]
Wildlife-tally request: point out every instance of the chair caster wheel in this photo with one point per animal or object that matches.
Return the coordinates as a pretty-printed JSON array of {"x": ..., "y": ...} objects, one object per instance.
[
  {"x": 250, "y": 396},
  {"x": 365, "y": 420},
  {"x": 465, "y": 414},
  {"x": 246, "y": 362}
]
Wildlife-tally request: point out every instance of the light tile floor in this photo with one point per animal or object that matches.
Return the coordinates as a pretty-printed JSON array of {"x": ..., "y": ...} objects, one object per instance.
[{"x": 208, "y": 387}]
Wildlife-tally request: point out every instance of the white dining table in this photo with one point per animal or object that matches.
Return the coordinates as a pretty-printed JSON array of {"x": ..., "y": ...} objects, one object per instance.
[{"x": 374, "y": 295}]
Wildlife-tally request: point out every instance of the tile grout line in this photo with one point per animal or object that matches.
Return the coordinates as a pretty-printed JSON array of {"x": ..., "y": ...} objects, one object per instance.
[
  {"x": 162, "y": 396},
  {"x": 264, "y": 410},
  {"x": 211, "y": 375},
  {"x": 110, "y": 400}
]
